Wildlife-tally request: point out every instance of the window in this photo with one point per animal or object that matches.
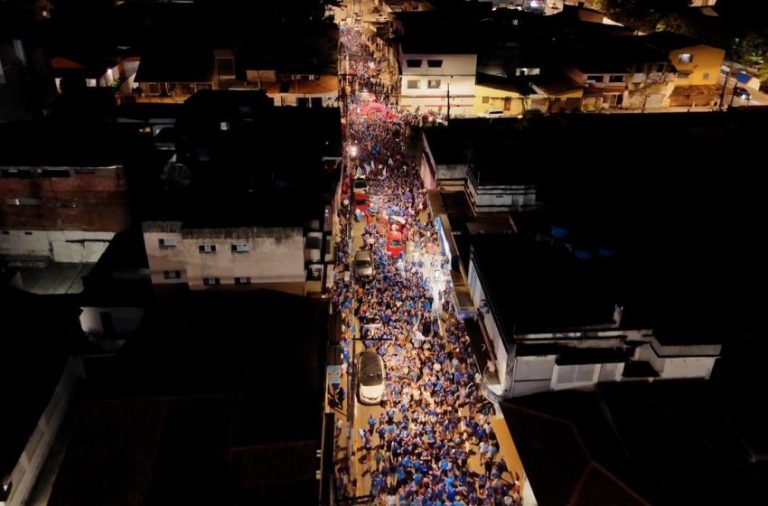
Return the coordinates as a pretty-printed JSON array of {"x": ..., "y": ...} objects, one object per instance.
[
  {"x": 661, "y": 67},
  {"x": 595, "y": 78},
  {"x": 224, "y": 126},
  {"x": 434, "y": 64},
  {"x": 413, "y": 84},
  {"x": 240, "y": 248},
  {"x": 91, "y": 83},
  {"x": 16, "y": 174},
  {"x": 683, "y": 75},
  {"x": 685, "y": 58},
  {"x": 54, "y": 173},
  {"x": 486, "y": 100},
  {"x": 23, "y": 201},
  {"x": 171, "y": 274},
  {"x": 211, "y": 281},
  {"x": 167, "y": 242},
  {"x": 413, "y": 64},
  {"x": 705, "y": 76},
  {"x": 207, "y": 248},
  {"x": 616, "y": 79},
  {"x": 243, "y": 280},
  {"x": 85, "y": 171},
  {"x": 433, "y": 84}
]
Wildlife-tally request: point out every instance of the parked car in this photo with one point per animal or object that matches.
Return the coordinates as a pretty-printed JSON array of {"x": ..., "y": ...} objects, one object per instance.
[
  {"x": 360, "y": 198},
  {"x": 363, "y": 264},
  {"x": 371, "y": 375},
  {"x": 360, "y": 184},
  {"x": 493, "y": 113},
  {"x": 742, "y": 93}
]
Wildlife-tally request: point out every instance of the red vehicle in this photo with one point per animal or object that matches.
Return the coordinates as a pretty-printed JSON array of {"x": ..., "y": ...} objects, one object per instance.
[
  {"x": 395, "y": 246},
  {"x": 360, "y": 199}
]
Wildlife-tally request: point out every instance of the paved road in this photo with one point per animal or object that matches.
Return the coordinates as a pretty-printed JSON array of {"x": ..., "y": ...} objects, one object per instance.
[{"x": 434, "y": 420}]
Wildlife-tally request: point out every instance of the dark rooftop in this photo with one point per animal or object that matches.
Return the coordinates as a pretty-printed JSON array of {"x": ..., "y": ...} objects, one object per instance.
[
  {"x": 270, "y": 166},
  {"x": 121, "y": 275},
  {"x": 39, "y": 332},
  {"x": 669, "y": 41},
  {"x": 610, "y": 54},
  {"x": 436, "y": 32},
  {"x": 185, "y": 401},
  {"x": 176, "y": 61},
  {"x": 64, "y": 144},
  {"x": 650, "y": 443},
  {"x": 536, "y": 286}
]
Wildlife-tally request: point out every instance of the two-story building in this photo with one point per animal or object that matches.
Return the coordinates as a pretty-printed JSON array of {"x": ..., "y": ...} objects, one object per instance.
[
  {"x": 620, "y": 72},
  {"x": 437, "y": 66},
  {"x": 252, "y": 211},
  {"x": 474, "y": 156},
  {"x": 64, "y": 201},
  {"x": 697, "y": 64},
  {"x": 553, "y": 316}
]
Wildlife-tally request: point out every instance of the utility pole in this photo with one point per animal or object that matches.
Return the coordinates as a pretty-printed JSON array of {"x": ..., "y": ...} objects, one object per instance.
[
  {"x": 448, "y": 116},
  {"x": 725, "y": 85}
]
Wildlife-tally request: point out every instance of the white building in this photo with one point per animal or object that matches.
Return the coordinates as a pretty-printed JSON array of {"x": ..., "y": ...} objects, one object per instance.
[
  {"x": 436, "y": 64},
  {"x": 551, "y": 321}
]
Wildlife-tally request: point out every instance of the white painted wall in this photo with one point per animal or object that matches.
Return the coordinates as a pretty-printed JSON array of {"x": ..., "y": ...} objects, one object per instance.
[
  {"x": 457, "y": 73},
  {"x": 35, "y": 452},
  {"x": 504, "y": 366},
  {"x": 124, "y": 319},
  {"x": 274, "y": 255},
  {"x": 70, "y": 246}
]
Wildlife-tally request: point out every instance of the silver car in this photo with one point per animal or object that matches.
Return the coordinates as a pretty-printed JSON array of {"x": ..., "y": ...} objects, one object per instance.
[
  {"x": 363, "y": 264},
  {"x": 371, "y": 375}
]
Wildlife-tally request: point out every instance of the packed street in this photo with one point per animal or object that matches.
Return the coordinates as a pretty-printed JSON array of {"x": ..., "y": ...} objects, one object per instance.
[{"x": 428, "y": 437}]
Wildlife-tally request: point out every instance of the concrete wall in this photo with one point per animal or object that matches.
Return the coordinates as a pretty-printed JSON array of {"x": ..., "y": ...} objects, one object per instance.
[
  {"x": 124, "y": 319},
  {"x": 275, "y": 257},
  {"x": 69, "y": 246},
  {"x": 93, "y": 199},
  {"x": 33, "y": 458},
  {"x": 504, "y": 363},
  {"x": 457, "y": 73}
]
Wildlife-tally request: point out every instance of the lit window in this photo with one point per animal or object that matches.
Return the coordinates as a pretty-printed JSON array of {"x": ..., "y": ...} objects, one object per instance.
[
  {"x": 224, "y": 125},
  {"x": 413, "y": 84},
  {"x": 167, "y": 242},
  {"x": 433, "y": 84},
  {"x": 207, "y": 248},
  {"x": 239, "y": 248},
  {"x": 171, "y": 274},
  {"x": 685, "y": 58},
  {"x": 211, "y": 281},
  {"x": 243, "y": 280}
]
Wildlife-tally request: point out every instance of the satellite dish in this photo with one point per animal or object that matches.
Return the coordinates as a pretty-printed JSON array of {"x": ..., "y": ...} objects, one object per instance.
[{"x": 176, "y": 174}]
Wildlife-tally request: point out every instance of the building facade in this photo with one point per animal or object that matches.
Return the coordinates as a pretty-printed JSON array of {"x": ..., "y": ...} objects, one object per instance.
[
  {"x": 429, "y": 82},
  {"x": 61, "y": 213},
  {"x": 542, "y": 357}
]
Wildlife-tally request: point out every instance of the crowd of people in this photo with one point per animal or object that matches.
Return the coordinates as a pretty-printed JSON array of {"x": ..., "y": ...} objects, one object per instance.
[{"x": 433, "y": 443}]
